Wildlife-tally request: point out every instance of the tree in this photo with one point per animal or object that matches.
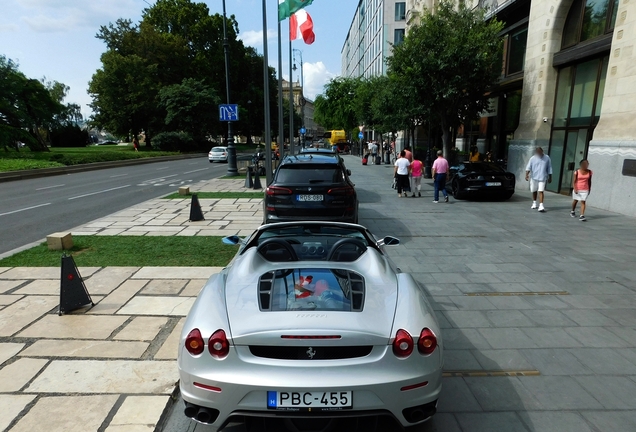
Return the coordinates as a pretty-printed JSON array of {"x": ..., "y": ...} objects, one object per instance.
[
  {"x": 191, "y": 107},
  {"x": 451, "y": 60},
  {"x": 28, "y": 109},
  {"x": 336, "y": 108}
]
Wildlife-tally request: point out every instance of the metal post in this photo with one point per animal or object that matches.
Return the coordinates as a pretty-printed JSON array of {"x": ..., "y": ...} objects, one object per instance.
[
  {"x": 291, "y": 99},
  {"x": 281, "y": 118},
  {"x": 268, "y": 131},
  {"x": 231, "y": 150},
  {"x": 302, "y": 98}
]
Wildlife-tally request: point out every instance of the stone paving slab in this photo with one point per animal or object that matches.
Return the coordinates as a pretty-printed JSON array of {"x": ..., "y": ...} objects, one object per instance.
[
  {"x": 176, "y": 272},
  {"x": 73, "y": 327},
  {"x": 85, "y": 349},
  {"x": 158, "y": 305},
  {"x": 18, "y": 315},
  {"x": 101, "y": 376},
  {"x": 11, "y": 407},
  {"x": 16, "y": 375},
  {"x": 8, "y": 285},
  {"x": 52, "y": 414},
  {"x": 138, "y": 413},
  {"x": 142, "y": 329}
]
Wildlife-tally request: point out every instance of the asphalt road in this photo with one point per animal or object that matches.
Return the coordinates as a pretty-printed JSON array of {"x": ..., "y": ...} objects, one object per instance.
[{"x": 32, "y": 209}]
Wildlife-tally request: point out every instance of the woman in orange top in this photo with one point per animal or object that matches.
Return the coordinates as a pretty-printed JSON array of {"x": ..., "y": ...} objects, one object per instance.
[{"x": 581, "y": 187}]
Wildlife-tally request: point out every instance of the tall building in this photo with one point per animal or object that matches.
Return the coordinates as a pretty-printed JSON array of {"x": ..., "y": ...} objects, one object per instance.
[
  {"x": 305, "y": 108},
  {"x": 375, "y": 26},
  {"x": 568, "y": 84}
]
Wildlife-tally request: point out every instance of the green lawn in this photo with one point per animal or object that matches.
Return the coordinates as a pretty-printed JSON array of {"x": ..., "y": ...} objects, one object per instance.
[
  {"x": 220, "y": 195},
  {"x": 61, "y": 156},
  {"x": 102, "y": 251}
]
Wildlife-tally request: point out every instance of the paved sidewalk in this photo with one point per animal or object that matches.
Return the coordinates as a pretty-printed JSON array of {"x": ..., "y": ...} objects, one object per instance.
[
  {"x": 163, "y": 217},
  {"x": 110, "y": 368}
]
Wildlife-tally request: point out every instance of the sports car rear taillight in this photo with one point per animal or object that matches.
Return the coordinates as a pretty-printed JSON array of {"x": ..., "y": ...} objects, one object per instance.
[
  {"x": 402, "y": 344},
  {"x": 274, "y": 190},
  {"x": 218, "y": 345},
  {"x": 194, "y": 342},
  {"x": 427, "y": 342}
]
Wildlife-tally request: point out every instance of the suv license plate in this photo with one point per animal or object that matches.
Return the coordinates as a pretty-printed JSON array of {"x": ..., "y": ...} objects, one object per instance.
[
  {"x": 493, "y": 184},
  {"x": 310, "y": 198},
  {"x": 309, "y": 401}
]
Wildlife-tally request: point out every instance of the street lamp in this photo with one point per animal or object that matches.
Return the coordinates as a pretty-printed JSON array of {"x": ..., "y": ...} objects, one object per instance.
[
  {"x": 231, "y": 150},
  {"x": 302, "y": 97},
  {"x": 249, "y": 122}
]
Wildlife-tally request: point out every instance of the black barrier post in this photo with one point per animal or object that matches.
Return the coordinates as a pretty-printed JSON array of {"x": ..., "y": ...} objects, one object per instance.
[
  {"x": 73, "y": 292},
  {"x": 195, "y": 210},
  {"x": 249, "y": 183},
  {"x": 257, "y": 180}
]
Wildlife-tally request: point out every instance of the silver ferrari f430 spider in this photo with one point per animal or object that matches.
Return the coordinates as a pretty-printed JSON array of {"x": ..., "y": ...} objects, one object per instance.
[{"x": 311, "y": 320}]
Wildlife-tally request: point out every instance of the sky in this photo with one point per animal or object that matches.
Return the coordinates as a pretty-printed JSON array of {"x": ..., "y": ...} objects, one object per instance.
[{"x": 55, "y": 39}]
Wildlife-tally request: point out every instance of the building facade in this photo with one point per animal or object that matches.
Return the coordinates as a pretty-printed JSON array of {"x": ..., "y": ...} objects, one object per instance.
[
  {"x": 568, "y": 85},
  {"x": 304, "y": 107},
  {"x": 376, "y": 25}
]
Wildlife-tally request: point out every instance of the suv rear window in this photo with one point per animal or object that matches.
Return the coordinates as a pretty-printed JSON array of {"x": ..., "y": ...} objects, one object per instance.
[
  {"x": 309, "y": 174},
  {"x": 311, "y": 290}
]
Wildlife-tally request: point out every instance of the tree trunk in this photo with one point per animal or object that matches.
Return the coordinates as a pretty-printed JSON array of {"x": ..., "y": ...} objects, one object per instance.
[{"x": 446, "y": 137}]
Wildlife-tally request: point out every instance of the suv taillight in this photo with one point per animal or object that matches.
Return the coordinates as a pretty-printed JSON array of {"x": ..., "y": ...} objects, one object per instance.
[
  {"x": 347, "y": 191},
  {"x": 194, "y": 342},
  {"x": 218, "y": 345},
  {"x": 402, "y": 344},
  {"x": 275, "y": 190},
  {"x": 427, "y": 342}
]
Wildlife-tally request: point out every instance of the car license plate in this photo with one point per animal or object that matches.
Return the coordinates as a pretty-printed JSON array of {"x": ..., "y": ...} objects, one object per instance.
[
  {"x": 493, "y": 184},
  {"x": 309, "y": 197},
  {"x": 309, "y": 401}
]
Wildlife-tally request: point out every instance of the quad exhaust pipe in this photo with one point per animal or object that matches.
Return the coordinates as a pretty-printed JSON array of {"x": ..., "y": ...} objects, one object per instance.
[{"x": 200, "y": 414}]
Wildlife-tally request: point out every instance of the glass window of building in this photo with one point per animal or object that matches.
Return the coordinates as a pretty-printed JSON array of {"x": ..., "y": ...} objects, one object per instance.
[
  {"x": 589, "y": 19},
  {"x": 398, "y": 36},
  {"x": 517, "y": 42},
  {"x": 400, "y": 11}
]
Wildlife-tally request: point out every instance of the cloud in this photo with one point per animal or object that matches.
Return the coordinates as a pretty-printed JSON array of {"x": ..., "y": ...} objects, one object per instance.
[
  {"x": 8, "y": 28},
  {"x": 48, "y": 16},
  {"x": 316, "y": 76},
  {"x": 254, "y": 38}
]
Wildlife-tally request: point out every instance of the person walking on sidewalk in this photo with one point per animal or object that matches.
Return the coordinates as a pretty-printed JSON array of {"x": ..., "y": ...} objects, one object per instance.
[
  {"x": 417, "y": 168},
  {"x": 440, "y": 174},
  {"x": 538, "y": 172},
  {"x": 582, "y": 185},
  {"x": 401, "y": 172},
  {"x": 374, "y": 152}
]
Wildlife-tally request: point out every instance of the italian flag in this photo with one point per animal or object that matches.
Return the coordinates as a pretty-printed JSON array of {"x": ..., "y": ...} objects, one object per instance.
[
  {"x": 288, "y": 7},
  {"x": 301, "y": 26}
]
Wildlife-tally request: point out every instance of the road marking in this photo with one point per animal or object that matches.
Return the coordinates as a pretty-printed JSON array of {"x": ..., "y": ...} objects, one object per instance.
[
  {"x": 194, "y": 163},
  {"x": 49, "y": 187},
  {"x": 490, "y": 373},
  {"x": 160, "y": 178},
  {"x": 190, "y": 172},
  {"x": 159, "y": 169},
  {"x": 118, "y": 175},
  {"x": 98, "y": 192},
  {"x": 24, "y": 209},
  {"x": 521, "y": 293}
]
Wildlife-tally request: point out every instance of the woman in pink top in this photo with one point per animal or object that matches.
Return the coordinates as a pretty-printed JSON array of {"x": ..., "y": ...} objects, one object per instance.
[
  {"x": 581, "y": 187},
  {"x": 416, "y": 172}
]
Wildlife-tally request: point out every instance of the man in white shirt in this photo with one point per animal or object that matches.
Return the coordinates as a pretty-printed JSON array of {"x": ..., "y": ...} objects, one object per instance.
[{"x": 538, "y": 172}]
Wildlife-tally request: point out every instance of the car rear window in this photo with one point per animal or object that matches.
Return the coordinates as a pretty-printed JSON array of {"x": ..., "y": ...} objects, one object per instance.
[
  {"x": 311, "y": 290},
  {"x": 309, "y": 174},
  {"x": 218, "y": 150}
]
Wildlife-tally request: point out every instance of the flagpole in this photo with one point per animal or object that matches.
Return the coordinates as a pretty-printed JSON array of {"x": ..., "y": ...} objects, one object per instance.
[
  {"x": 281, "y": 119},
  {"x": 231, "y": 150},
  {"x": 268, "y": 131},
  {"x": 291, "y": 96}
]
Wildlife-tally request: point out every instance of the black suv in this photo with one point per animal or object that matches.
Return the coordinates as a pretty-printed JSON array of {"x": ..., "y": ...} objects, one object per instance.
[{"x": 313, "y": 187}]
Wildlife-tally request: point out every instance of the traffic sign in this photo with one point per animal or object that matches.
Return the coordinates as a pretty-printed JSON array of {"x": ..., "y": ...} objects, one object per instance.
[
  {"x": 361, "y": 135},
  {"x": 303, "y": 131},
  {"x": 228, "y": 112}
]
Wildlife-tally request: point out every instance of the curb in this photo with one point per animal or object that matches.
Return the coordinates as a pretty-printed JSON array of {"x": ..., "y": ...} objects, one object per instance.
[{"x": 47, "y": 172}]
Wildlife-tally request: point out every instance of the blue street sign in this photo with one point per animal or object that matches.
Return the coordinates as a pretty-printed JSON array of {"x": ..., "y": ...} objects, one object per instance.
[
  {"x": 228, "y": 113},
  {"x": 361, "y": 135},
  {"x": 303, "y": 131}
]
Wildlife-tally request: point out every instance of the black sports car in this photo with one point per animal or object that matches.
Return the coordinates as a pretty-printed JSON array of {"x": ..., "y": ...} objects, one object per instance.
[
  {"x": 311, "y": 186},
  {"x": 483, "y": 179}
]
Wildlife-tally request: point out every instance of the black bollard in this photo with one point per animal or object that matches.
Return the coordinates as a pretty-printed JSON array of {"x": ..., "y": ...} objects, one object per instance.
[
  {"x": 257, "y": 180},
  {"x": 195, "y": 209},
  {"x": 249, "y": 183},
  {"x": 73, "y": 292}
]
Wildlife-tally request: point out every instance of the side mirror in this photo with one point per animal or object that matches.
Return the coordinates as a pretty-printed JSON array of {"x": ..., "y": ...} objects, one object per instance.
[
  {"x": 233, "y": 240},
  {"x": 389, "y": 241},
  {"x": 348, "y": 172}
]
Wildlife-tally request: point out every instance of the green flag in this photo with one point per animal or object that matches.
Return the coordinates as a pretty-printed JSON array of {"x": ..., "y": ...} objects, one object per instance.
[{"x": 288, "y": 7}]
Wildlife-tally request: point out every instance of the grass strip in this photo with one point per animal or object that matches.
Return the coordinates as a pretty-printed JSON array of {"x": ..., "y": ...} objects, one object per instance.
[
  {"x": 102, "y": 251},
  {"x": 220, "y": 195}
]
